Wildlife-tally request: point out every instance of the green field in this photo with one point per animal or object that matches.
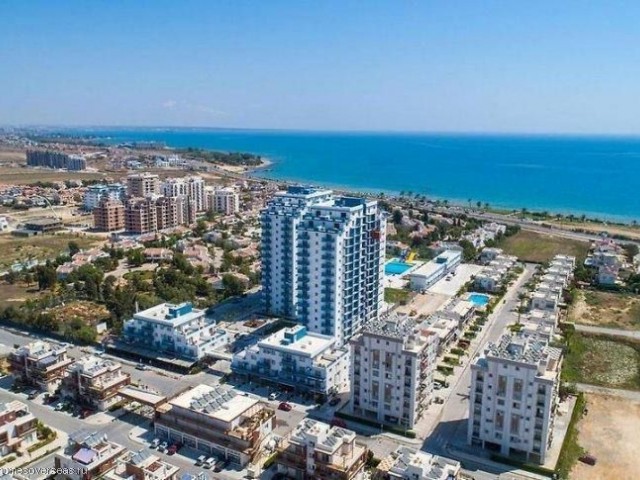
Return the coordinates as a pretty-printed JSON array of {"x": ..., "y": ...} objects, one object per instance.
[
  {"x": 40, "y": 247},
  {"x": 536, "y": 247},
  {"x": 396, "y": 295},
  {"x": 602, "y": 360}
]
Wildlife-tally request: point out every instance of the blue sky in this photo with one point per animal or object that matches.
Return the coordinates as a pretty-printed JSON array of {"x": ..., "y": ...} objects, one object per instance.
[{"x": 468, "y": 66}]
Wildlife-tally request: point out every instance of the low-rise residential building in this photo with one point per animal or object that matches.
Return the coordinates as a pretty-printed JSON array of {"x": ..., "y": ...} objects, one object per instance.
[
  {"x": 489, "y": 254},
  {"x": 296, "y": 359},
  {"x": 142, "y": 465},
  {"x": 157, "y": 254},
  {"x": 544, "y": 301},
  {"x": 18, "y": 428},
  {"x": 317, "y": 450},
  {"x": 607, "y": 275},
  {"x": 179, "y": 330},
  {"x": 447, "y": 330},
  {"x": 487, "y": 281},
  {"x": 392, "y": 370},
  {"x": 94, "y": 382},
  {"x": 426, "y": 275},
  {"x": 87, "y": 456},
  {"x": 407, "y": 463},
  {"x": 217, "y": 421},
  {"x": 40, "y": 364},
  {"x": 514, "y": 388}
]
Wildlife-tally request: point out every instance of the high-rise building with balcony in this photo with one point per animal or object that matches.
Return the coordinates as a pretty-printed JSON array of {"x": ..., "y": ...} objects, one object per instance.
[
  {"x": 140, "y": 215},
  {"x": 514, "y": 388},
  {"x": 94, "y": 382},
  {"x": 40, "y": 364},
  {"x": 323, "y": 259},
  {"x": 95, "y": 193},
  {"x": 191, "y": 187},
  {"x": 108, "y": 216},
  {"x": 143, "y": 185},
  {"x": 392, "y": 367},
  {"x": 223, "y": 200}
]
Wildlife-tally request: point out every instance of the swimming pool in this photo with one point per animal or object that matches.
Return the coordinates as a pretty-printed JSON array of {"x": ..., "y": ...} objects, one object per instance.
[
  {"x": 479, "y": 299},
  {"x": 396, "y": 267}
]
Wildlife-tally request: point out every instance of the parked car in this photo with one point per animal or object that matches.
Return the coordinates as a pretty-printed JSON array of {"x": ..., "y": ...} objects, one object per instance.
[
  {"x": 209, "y": 462},
  {"x": 59, "y": 407},
  {"x": 334, "y": 401},
  {"x": 172, "y": 449},
  {"x": 163, "y": 447},
  {"x": 141, "y": 366},
  {"x": 284, "y": 406},
  {"x": 155, "y": 443},
  {"x": 200, "y": 461},
  {"x": 273, "y": 396},
  {"x": 32, "y": 395},
  {"x": 588, "y": 459}
]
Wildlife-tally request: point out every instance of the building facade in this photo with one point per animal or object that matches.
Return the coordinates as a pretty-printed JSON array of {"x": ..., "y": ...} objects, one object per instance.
[
  {"x": 392, "y": 367},
  {"x": 217, "y": 421},
  {"x": 18, "y": 428},
  {"x": 94, "y": 382},
  {"x": 51, "y": 159},
  {"x": 426, "y": 275},
  {"x": 108, "y": 215},
  {"x": 223, "y": 200},
  {"x": 323, "y": 260},
  {"x": 317, "y": 450},
  {"x": 95, "y": 193},
  {"x": 88, "y": 456},
  {"x": 143, "y": 185},
  {"x": 40, "y": 364},
  {"x": 191, "y": 187},
  {"x": 179, "y": 330},
  {"x": 140, "y": 215},
  {"x": 513, "y": 395},
  {"x": 293, "y": 358}
]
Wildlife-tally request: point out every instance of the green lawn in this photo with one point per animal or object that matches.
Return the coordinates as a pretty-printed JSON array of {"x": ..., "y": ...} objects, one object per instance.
[
  {"x": 602, "y": 360},
  {"x": 535, "y": 247},
  {"x": 396, "y": 295}
]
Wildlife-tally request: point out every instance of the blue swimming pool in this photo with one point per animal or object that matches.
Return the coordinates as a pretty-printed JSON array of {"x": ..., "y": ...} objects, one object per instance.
[
  {"x": 480, "y": 299},
  {"x": 396, "y": 267}
]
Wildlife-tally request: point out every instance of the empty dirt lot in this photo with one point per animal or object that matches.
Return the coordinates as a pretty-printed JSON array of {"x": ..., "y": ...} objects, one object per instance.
[
  {"x": 610, "y": 432},
  {"x": 606, "y": 309}
]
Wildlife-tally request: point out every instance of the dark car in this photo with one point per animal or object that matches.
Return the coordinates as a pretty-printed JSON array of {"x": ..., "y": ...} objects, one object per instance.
[
  {"x": 588, "y": 459},
  {"x": 285, "y": 406},
  {"x": 334, "y": 401}
]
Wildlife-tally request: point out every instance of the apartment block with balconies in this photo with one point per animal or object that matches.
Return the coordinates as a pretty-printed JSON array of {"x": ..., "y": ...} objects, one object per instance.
[
  {"x": 40, "y": 364},
  {"x": 513, "y": 396},
  {"x": 18, "y": 428},
  {"x": 87, "y": 456},
  {"x": 392, "y": 367},
  {"x": 217, "y": 421},
  {"x": 317, "y": 450},
  {"x": 94, "y": 382}
]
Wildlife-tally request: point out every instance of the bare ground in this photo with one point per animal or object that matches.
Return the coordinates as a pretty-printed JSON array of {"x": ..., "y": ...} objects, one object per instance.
[
  {"x": 609, "y": 432},
  {"x": 605, "y": 309}
]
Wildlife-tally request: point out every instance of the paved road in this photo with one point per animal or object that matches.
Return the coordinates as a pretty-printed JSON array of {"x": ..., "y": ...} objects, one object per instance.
[
  {"x": 451, "y": 427},
  {"x": 614, "y": 332},
  {"x": 614, "y": 392}
]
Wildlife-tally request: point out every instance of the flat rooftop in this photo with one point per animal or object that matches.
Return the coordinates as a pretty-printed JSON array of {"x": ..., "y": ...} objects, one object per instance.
[
  {"x": 170, "y": 314},
  {"x": 220, "y": 403},
  {"x": 298, "y": 341}
]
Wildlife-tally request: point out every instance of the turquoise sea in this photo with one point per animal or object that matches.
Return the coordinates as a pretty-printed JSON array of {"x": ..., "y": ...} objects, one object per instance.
[{"x": 597, "y": 176}]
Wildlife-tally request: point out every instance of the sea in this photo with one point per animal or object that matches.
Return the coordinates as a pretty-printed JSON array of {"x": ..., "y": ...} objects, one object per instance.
[{"x": 596, "y": 176}]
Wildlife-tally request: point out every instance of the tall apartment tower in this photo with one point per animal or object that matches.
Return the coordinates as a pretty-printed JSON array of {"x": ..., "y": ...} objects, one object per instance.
[
  {"x": 143, "y": 185},
  {"x": 140, "y": 215},
  {"x": 191, "y": 187},
  {"x": 108, "y": 216},
  {"x": 514, "y": 387},
  {"x": 322, "y": 260},
  {"x": 392, "y": 367}
]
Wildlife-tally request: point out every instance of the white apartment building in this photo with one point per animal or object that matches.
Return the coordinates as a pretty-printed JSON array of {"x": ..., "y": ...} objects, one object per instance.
[
  {"x": 296, "y": 359},
  {"x": 407, "y": 463},
  {"x": 514, "y": 387},
  {"x": 426, "y": 275},
  {"x": 18, "y": 428},
  {"x": 392, "y": 367},
  {"x": 224, "y": 200},
  {"x": 323, "y": 260},
  {"x": 317, "y": 450},
  {"x": 179, "y": 330},
  {"x": 95, "y": 193},
  {"x": 489, "y": 254},
  {"x": 191, "y": 187}
]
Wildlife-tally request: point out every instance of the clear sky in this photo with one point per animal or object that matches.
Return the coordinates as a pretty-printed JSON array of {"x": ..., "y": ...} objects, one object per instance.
[{"x": 423, "y": 65}]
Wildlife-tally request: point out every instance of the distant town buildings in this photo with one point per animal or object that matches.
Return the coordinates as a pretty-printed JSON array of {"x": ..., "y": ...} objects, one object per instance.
[
  {"x": 58, "y": 160},
  {"x": 179, "y": 330},
  {"x": 426, "y": 275},
  {"x": 407, "y": 463},
  {"x": 217, "y": 421},
  {"x": 514, "y": 388},
  {"x": 40, "y": 364},
  {"x": 143, "y": 185},
  {"x": 392, "y": 367},
  {"x": 108, "y": 215},
  {"x": 322, "y": 260},
  {"x": 94, "y": 382},
  {"x": 18, "y": 428},
  {"x": 295, "y": 359},
  {"x": 95, "y": 193},
  {"x": 317, "y": 450}
]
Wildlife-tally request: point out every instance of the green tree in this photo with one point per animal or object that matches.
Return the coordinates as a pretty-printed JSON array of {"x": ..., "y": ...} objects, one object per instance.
[
  {"x": 135, "y": 258},
  {"x": 73, "y": 247},
  {"x": 46, "y": 276},
  {"x": 232, "y": 285},
  {"x": 468, "y": 250},
  {"x": 397, "y": 216}
]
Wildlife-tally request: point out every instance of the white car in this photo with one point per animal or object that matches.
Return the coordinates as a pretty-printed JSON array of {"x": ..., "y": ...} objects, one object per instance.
[
  {"x": 273, "y": 396},
  {"x": 200, "y": 461},
  {"x": 209, "y": 462},
  {"x": 155, "y": 443}
]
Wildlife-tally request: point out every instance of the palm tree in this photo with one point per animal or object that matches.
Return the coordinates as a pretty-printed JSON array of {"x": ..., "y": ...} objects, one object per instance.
[{"x": 486, "y": 206}]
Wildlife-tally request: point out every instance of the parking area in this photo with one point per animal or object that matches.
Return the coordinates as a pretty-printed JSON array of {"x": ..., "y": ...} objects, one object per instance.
[{"x": 451, "y": 284}]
